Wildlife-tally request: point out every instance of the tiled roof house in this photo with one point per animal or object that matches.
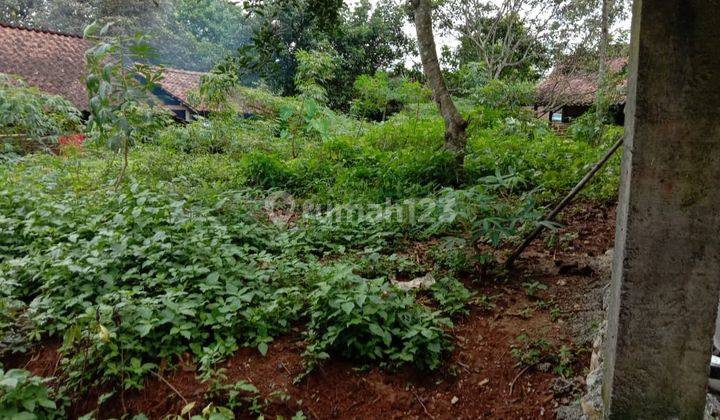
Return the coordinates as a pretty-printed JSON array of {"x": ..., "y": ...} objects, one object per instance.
[
  {"x": 55, "y": 63},
  {"x": 569, "y": 94}
]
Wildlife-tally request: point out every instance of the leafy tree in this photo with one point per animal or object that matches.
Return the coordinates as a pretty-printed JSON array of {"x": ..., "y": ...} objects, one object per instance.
[
  {"x": 119, "y": 85},
  {"x": 380, "y": 95},
  {"x": 526, "y": 60},
  {"x": 506, "y": 94},
  {"x": 510, "y": 38},
  {"x": 315, "y": 69},
  {"x": 366, "y": 39},
  {"x": 455, "y": 124}
]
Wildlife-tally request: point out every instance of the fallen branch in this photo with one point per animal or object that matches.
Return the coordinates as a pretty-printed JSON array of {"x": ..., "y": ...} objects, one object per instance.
[
  {"x": 157, "y": 375},
  {"x": 522, "y": 372},
  {"x": 567, "y": 200},
  {"x": 417, "y": 397}
]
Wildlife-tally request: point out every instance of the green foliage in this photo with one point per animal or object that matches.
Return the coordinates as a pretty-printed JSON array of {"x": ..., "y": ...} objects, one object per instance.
[
  {"x": 467, "y": 79},
  {"x": 228, "y": 235},
  {"x": 589, "y": 129},
  {"x": 369, "y": 320},
  {"x": 121, "y": 111},
  {"x": 512, "y": 42},
  {"x": 377, "y": 265},
  {"x": 505, "y": 94},
  {"x": 31, "y": 119},
  {"x": 367, "y": 37},
  {"x": 233, "y": 396},
  {"x": 546, "y": 161},
  {"x": 453, "y": 255},
  {"x": 215, "y": 92},
  {"x": 380, "y": 96},
  {"x": 532, "y": 288},
  {"x": 24, "y": 396},
  {"x": 532, "y": 351},
  {"x": 314, "y": 70},
  {"x": 451, "y": 295},
  {"x": 529, "y": 351}
]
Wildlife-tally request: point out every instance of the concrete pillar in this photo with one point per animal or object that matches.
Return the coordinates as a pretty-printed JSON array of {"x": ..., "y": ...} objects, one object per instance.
[{"x": 666, "y": 272}]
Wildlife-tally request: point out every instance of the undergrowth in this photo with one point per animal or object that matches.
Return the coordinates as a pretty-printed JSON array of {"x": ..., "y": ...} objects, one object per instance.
[{"x": 226, "y": 234}]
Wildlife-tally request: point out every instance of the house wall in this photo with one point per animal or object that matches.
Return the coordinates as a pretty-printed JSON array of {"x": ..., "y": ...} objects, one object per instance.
[{"x": 572, "y": 112}]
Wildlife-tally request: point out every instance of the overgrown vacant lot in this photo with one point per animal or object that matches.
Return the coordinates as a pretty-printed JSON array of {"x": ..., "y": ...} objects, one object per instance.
[{"x": 251, "y": 267}]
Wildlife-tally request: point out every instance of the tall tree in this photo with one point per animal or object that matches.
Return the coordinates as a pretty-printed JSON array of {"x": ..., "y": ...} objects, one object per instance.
[
  {"x": 505, "y": 36},
  {"x": 366, "y": 39},
  {"x": 455, "y": 136}
]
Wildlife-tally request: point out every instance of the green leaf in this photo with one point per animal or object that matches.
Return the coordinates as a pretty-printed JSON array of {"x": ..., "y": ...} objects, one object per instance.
[
  {"x": 263, "y": 348},
  {"x": 347, "y": 307}
]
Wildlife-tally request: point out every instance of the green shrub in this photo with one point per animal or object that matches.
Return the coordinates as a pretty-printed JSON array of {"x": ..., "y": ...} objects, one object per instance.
[
  {"x": 377, "y": 97},
  {"x": 550, "y": 163},
  {"x": 369, "y": 320},
  {"x": 32, "y": 120},
  {"x": 451, "y": 295},
  {"x": 453, "y": 255},
  {"x": 505, "y": 94},
  {"x": 24, "y": 396}
]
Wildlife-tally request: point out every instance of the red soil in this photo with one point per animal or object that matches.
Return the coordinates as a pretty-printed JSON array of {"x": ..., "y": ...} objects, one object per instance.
[{"x": 474, "y": 383}]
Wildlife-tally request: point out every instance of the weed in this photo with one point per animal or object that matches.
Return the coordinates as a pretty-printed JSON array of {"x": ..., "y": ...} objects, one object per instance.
[
  {"x": 451, "y": 295},
  {"x": 452, "y": 254},
  {"x": 529, "y": 351},
  {"x": 485, "y": 302},
  {"x": 369, "y": 320},
  {"x": 532, "y": 288},
  {"x": 564, "y": 361},
  {"x": 23, "y": 395},
  {"x": 555, "y": 313}
]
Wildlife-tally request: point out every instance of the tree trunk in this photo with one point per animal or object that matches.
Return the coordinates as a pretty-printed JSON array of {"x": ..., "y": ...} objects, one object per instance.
[
  {"x": 601, "y": 101},
  {"x": 455, "y": 137}
]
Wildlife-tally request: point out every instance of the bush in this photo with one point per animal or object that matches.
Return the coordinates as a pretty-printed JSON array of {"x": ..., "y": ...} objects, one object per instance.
[
  {"x": 24, "y": 396},
  {"x": 32, "y": 120},
  {"x": 376, "y": 97},
  {"x": 451, "y": 295},
  {"x": 369, "y": 320},
  {"x": 453, "y": 255},
  {"x": 550, "y": 163},
  {"x": 505, "y": 94},
  {"x": 380, "y": 96}
]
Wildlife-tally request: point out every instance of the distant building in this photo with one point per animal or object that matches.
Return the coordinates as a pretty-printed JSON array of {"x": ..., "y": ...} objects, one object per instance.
[
  {"x": 55, "y": 63},
  {"x": 567, "y": 94}
]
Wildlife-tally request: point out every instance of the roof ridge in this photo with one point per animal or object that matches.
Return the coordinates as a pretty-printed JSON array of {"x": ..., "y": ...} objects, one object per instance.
[{"x": 39, "y": 30}]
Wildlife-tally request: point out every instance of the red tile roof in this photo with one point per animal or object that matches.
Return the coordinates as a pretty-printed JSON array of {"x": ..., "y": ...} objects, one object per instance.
[
  {"x": 55, "y": 63},
  {"x": 179, "y": 83},
  {"x": 578, "y": 87},
  {"x": 52, "y": 62}
]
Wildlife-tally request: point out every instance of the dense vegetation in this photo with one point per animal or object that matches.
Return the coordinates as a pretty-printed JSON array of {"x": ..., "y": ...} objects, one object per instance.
[
  {"x": 136, "y": 243},
  {"x": 227, "y": 232}
]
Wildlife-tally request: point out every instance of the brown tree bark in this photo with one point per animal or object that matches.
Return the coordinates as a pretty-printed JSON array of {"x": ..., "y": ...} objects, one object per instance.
[{"x": 455, "y": 137}]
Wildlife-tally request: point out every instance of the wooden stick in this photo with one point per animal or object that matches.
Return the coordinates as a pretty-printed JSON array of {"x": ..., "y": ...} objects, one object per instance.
[
  {"x": 567, "y": 200},
  {"x": 157, "y": 375},
  {"x": 522, "y": 372},
  {"x": 417, "y": 397}
]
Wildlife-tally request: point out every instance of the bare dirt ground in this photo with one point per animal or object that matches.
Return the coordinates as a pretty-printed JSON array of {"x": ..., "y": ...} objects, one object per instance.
[{"x": 481, "y": 378}]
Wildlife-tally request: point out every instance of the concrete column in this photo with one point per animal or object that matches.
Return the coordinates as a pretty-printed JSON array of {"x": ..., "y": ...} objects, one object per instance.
[{"x": 666, "y": 272}]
